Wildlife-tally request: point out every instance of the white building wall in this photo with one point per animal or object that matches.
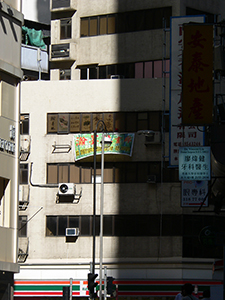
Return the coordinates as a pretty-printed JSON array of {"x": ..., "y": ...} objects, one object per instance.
[{"x": 36, "y": 10}]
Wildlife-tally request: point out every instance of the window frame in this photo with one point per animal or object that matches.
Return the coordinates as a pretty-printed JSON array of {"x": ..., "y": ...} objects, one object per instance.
[
  {"x": 24, "y": 172},
  {"x": 24, "y": 124},
  {"x": 84, "y": 122},
  {"x": 118, "y": 172},
  {"x": 22, "y": 223},
  {"x": 123, "y": 18},
  {"x": 68, "y": 28}
]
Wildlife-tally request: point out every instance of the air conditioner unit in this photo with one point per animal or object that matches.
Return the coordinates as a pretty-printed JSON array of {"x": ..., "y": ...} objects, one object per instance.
[
  {"x": 66, "y": 188},
  {"x": 72, "y": 231},
  {"x": 25, "y": 143},
  {"x": 20, "y": 193},
  {"x": 151, "y": 179},
  {"x": 24, "y": 192},
  {"x": 153, "y": 138},
  {"x": 115, "y": 77}
]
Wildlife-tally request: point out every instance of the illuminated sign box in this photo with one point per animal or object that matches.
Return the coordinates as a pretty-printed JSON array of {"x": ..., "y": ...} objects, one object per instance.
[{"x": 194, "y": 163}]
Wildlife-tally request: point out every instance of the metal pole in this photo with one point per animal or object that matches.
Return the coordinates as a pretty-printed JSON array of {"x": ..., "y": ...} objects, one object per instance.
[
  {"x": 101, "y": 214},
  {"x": 223, "y": 272},
  {"x": 94, "y": 202},
  {"x": 71, "y": 288},
  {"x": 105, "y": 283}
]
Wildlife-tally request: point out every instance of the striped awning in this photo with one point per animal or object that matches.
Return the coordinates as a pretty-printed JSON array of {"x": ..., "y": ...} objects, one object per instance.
[{"x": 145, "y": 288}]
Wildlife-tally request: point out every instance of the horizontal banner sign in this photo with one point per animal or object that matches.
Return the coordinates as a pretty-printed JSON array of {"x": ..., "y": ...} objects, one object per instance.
[{"x": 122, "y": 143}]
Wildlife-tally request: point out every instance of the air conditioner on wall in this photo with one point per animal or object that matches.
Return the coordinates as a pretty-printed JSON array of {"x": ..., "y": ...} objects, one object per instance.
[
  {"x": 72, "y": 231},
  {"x": 67, "y": 188},
  {"x": 154, "y": 138},
  {"x": 116, "y": 77}
]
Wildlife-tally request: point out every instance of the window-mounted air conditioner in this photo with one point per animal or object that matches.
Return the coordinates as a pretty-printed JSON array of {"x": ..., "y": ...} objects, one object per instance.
[
  {"x": 154, "y": 138},
  {"x": 116, "y": 76},
  {"x": 25, "y": 143},
  {"x": 66, "y": 188},
  {"x": 72, "y": 231}
]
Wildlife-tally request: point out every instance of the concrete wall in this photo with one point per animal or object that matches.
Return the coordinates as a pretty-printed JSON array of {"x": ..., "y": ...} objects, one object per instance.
[
  {"x": 10, "y": 74},
  {"x": 39, "y": 98},
  {"x": 36, "y": 10},
  {"x": 10, "y": 40},
  {"x": 16, "y": 4}
]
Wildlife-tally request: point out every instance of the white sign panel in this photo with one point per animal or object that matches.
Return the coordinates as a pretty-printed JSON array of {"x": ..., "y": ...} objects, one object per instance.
[
  {"x": 194, "y": 193},
  {"x": 194, "y": 163},
  {"x": 188, "y": 136}
]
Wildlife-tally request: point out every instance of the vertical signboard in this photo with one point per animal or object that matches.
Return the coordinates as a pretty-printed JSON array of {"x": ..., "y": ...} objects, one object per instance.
[
  {"x": 179, "y": 135},
  {"x": 194, "y": 163},
  {"x": 194, "y": 193},
  {"x": 197, "y": 100}
]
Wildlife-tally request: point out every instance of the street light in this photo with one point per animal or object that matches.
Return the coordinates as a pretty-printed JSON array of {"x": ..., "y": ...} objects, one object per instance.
[{"x": 103, "y": 129}]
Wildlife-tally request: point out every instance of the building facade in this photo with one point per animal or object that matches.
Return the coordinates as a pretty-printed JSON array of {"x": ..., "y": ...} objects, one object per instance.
[
  {"x": 109, "y": 61},
  {"x": 10, "y": 76}
]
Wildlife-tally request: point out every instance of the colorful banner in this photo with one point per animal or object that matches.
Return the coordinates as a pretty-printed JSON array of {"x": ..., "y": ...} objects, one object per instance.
[
  {"x": 122, "y": 143},
  {"x": 188, "y": 136},
  {"x": 197, "y": 94}
]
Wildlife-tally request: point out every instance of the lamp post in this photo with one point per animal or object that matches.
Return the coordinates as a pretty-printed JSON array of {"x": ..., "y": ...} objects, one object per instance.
[{"x": 103, "y": 128}]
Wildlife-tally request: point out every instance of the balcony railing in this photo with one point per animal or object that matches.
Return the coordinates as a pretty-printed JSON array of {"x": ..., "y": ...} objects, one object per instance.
[
  {"x": 63, "y": 51},
  {"x": 34, "y": 59}
]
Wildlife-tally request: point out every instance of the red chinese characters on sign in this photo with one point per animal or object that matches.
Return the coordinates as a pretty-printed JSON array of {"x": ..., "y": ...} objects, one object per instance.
[{"x": 197, "y": 96}]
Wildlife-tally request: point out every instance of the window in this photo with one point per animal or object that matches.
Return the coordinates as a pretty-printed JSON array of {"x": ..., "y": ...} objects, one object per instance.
[
  {"x": 119, "y": 172},
  {"x": 59, "y": 173},
  {"x": 126, "y": 22},
  {"x": 23, "y": 173},
  {"x": 22, "y": 226},
  {"x": 148, "y": 69},
  {"x": 192, "y": 11},
  {"x": 93, "y": 23},
  {"x": 111, "y": 24},
  {"x": 65, "y": 27},
  {"x": 103, "y": 25},
  {"x": 84, "y": 27},
  {"x": 192, "y": 226},
  {"x": 115, "y": 121},
  {"x": 114, "y": 225},
  {"x": 157, "y": 69},
  {"x": 63, "y": 123},
  {"x": 56, "y": 225},
  {"x": 65, "y": 74},
  {"x": 24, "y": 124}
]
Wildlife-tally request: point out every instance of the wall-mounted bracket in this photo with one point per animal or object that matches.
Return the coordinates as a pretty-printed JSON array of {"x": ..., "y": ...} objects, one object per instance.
[{"x": 65, "y": 148}]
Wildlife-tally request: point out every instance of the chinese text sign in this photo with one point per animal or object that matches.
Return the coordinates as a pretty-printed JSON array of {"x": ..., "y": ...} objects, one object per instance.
[
  {"x": 194, "y": 163},
  {"x": 188, "y": 136},
  {"x": 194, "y": 193},
  {"x": 197, "y": 94}
]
